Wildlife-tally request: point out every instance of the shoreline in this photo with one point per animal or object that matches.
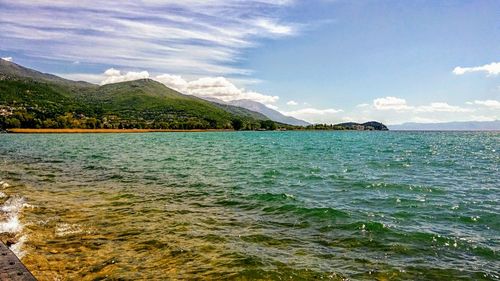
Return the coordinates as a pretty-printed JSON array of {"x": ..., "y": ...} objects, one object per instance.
[{"x": 106, "y": 131}]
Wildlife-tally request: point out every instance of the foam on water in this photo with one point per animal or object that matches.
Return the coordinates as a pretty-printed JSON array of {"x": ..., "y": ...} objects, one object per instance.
[
  {"x": 10, "y": 225},
  {"x": 4, "y": 184},
  {"x": 65, "y": 229}
]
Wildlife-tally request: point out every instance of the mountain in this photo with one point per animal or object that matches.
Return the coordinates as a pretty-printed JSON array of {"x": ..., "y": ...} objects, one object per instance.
[
  {"x": 235, "y": 109},
  {"x": 32, "y": 99},
  {"x": 271, "y": 113},
  {"x": 450, "y": 126},
  {"x": 10, "y": 70},
  {"x": 261, "y": 108}
]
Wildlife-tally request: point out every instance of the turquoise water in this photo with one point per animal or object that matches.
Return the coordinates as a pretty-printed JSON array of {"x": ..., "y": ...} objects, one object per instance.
[{"x": 254, "y": 205}]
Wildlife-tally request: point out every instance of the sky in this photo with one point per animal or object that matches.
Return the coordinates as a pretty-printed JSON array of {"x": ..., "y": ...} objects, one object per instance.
[{"x": 323, "y": 61}]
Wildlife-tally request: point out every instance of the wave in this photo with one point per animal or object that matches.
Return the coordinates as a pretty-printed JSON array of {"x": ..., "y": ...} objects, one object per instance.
[
  {"x": 11, "y": 228},
  {"x": 324, "y": 213},
  {"x": 65, "y": 229},
  {"x": 4, "y": 184},
  {"x": 272, "y": 197}
]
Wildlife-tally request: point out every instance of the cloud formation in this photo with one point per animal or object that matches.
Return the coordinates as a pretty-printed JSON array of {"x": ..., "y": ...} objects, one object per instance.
[
  {"x": 314, "y": 115},
  {"x": 273, "y": 107},
  {"x": 491, "y": 69},
  {"x": 7, "y": 58},
  {"x": 493, "y": 104},
  {"x": 221, "y": 88},
  {"x": 396, "y": 110},
  {"x": 210, "y": 87},
  {"x": 189, "y": 36},
  {"x": 441, "y": 107},
  {"x": 273, "y": 27},
  {"x": 292, "y": 103},
  {"x": 115, "y": 76},
  {"x": 400, "y": 104},
  {"x": 390, "y": 103}
]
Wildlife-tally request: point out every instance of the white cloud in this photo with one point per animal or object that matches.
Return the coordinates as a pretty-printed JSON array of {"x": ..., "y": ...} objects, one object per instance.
[
  {"x": 273, "y": 107},
  {"x": 115, "y": 76},
  {"x": 390, "y": 103},
  {"x": 191, "y": 36},
  {"x": 292, "y": 102},
  {"x": 399, "y": 104},
  {"x": 221, "y": 88},
  {"x": 212, "y": 87},
  {"x": 7, "y": 58},
  {"x": 246, "y": 81},
  {"x": 396, "y": 110},
  {"x": 314, "y": 111},
  {"x": 494, "y": 104},
  {"x": 272, "y": 27},
  {"x": 483, "y": 118},
  {"x": 441, "y": 107},
  {"x": 112, "y": 72},
  {"x": 314, "y": 115},
  {"x": 492, "y": 69},
  {"x": 175, "y": 82}
]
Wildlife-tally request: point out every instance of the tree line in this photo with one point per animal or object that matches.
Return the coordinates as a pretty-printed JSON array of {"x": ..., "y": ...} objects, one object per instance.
[{"x": 23, "y": 118}]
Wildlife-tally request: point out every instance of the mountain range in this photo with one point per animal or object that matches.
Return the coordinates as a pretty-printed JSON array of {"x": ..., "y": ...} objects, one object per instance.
[
  {"x": 450, "y": 126},
  {"x": 32, "y": 99},
  {"x": 263, "y": 109}
]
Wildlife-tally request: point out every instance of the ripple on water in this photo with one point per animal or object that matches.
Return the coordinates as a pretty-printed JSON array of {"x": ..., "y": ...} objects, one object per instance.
[{"x": 254, "y": 205}]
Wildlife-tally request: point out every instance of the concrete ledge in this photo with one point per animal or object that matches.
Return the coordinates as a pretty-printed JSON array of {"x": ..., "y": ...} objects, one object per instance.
[{"x": 11, "y": 268}]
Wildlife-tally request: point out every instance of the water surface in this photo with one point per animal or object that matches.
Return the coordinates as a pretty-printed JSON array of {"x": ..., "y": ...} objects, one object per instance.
[{"x": 254, "y": 205}]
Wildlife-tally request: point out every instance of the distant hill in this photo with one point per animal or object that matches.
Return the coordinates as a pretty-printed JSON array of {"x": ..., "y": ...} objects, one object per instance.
[
  {"x": 367, "y": 126},
  {"x": 271, "y": 113},
  {"x": 241, "y": 111},
  {"x": 450, "y": 126},
  {"x": 32, "y": 99},
  {"x": 10, "y": 70},
  {"x": 261, "y": 108}
]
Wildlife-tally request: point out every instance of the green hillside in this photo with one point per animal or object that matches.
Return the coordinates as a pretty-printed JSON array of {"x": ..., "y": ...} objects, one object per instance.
[{"x": 31, "y": 99}]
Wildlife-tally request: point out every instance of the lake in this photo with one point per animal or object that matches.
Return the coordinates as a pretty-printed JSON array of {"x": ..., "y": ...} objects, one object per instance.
[{"x": 254, "y": 205}]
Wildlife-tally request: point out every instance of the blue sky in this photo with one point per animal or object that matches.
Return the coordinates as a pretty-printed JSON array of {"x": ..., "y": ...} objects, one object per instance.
[{"x": 322, "y": 61}]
